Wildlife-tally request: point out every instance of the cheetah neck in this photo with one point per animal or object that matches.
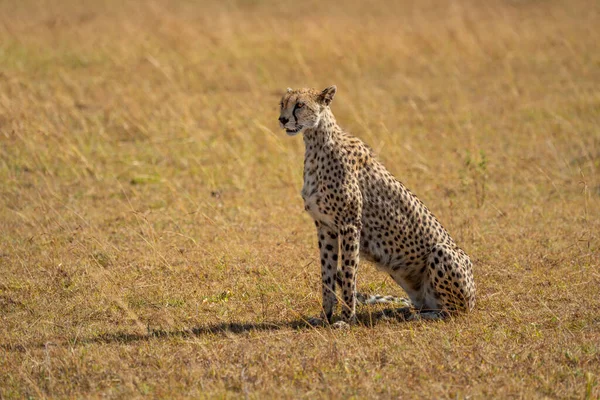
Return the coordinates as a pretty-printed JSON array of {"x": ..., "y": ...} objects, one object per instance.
[{"x": 323, "y": 132}]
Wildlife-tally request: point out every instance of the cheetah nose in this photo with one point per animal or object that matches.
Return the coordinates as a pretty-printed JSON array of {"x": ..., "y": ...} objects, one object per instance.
[{"x": 283, "y": 120}]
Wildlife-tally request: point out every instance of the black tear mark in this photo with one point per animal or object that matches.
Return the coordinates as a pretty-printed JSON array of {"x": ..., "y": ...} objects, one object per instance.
[{"x": 294, "y": 114}]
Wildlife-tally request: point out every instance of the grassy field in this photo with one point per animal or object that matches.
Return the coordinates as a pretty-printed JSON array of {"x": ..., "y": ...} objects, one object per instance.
[{"x": 153, "y": 241}]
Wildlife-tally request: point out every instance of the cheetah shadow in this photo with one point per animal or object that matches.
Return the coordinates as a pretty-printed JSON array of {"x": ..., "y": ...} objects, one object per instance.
[{"x": 225, "y": 329}]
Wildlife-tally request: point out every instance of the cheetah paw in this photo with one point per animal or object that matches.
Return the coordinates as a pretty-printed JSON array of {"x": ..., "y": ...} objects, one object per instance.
[
  {"x": 428, "y": 316},
  {"x": 340, "y": 325}
]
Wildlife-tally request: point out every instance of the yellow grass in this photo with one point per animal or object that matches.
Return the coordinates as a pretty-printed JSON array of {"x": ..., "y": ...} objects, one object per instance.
[{"x": 153, "y": 240}]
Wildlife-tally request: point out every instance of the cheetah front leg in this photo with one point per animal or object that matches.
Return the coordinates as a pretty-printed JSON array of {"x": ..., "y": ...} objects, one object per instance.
[
  {"x": 350, "y": 239},
  {"x": 329, "y": 248}
]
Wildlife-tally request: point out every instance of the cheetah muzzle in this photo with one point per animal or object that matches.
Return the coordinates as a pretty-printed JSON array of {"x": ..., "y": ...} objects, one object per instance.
[
  {"x": 360, "y": 208},
  {"x": 292, "y": 132}
]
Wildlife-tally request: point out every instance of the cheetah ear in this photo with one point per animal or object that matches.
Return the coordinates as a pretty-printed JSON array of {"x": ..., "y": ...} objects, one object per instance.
[
  {"x": 289, "y": 89},
  {"x": 326, "y": 96}
]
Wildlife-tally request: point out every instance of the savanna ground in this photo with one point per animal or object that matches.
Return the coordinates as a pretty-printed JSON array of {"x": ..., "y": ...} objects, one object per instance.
[{"x": 153, "y": 239}]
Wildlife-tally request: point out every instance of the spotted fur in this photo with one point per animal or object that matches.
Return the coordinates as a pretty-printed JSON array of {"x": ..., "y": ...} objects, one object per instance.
[{"x": 359, "y": 207}]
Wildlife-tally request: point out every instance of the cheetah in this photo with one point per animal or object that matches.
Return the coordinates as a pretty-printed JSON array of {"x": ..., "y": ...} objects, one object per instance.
[{"x": 358, "y": 207}]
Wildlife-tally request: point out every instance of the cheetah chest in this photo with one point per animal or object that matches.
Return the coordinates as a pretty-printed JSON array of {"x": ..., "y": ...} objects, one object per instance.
[{"x": 313, "y": 198}]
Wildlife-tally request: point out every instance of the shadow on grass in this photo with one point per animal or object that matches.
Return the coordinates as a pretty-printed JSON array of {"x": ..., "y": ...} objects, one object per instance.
[{"x": 368, "y": 319}]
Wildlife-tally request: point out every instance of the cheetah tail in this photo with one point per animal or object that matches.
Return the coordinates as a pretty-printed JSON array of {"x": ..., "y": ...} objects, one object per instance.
[{"x": 363, "y": 298}]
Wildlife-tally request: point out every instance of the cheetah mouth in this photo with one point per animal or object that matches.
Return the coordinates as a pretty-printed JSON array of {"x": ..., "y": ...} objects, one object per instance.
[{"x": 293, "y": 131}]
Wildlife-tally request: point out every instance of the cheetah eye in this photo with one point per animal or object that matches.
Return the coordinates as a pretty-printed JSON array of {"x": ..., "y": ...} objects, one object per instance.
[
  {"x": 299, "y": 105},
  {"x": 281, "y": 104}
]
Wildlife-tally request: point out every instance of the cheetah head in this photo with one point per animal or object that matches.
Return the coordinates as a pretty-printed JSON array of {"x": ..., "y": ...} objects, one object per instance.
[{"x": 301, "y": 109}]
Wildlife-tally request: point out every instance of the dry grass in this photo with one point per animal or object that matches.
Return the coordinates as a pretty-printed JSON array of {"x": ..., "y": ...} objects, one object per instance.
[{"x": 152, "y": 236}]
